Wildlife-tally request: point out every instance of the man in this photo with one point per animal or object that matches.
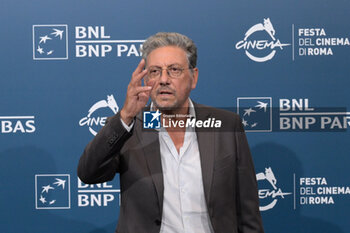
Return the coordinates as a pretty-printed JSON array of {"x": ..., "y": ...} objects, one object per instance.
[{"x": 174, "y": 179}]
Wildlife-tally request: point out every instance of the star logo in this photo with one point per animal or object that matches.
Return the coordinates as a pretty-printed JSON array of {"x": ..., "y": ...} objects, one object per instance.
[
  {"x": 50, "y": 42},
  {"x": 43, "y": 39},
  {"x": 254, "y": 124},
  {"x": 262, "y": 105},
  {"x": 42, "y": 199},
  {"x": 46, "y": 189},
  {"x": 57, "y": 33},
  {"x": 248, "y": 111},
  {"x": 151, "y": 119},
  {"x": 40, "y": 50},
  {"x": 256, "y": 113},
  {"x": 156, "y": 115},
  {"x": 52, "y": 191},
  {"x": 60, "y": 182}
]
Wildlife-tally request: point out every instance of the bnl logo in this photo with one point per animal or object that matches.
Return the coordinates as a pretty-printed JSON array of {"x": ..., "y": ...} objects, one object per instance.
[
  {"x": 256, "y": 113},
  {"x": 52, "y": 191},
  {"x": 50, "y": 42},
  {"x": 151, "y": 119}
]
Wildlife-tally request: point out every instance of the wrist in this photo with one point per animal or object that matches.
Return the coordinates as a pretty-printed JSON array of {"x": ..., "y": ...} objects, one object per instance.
[{"x": 125, "y": 117}]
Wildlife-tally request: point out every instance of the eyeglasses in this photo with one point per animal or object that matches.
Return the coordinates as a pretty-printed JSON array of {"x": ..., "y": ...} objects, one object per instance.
[{"x": 173, "y": 71}]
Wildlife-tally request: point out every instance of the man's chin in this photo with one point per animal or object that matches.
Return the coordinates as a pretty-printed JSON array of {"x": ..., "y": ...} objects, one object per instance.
[{"x": 165, "y": 105}]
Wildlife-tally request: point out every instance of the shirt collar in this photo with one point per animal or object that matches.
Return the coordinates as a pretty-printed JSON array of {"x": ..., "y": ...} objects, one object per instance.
[{"x": 191, "y": 113}]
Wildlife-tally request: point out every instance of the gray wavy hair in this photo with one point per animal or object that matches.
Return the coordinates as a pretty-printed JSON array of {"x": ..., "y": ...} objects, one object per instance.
[{"x": 162, "y": 39}]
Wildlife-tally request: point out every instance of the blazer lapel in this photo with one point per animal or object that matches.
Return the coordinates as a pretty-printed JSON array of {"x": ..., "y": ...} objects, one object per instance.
[
  {"x": 206, "y": 144},
  {"x": 151, "y": 148}
]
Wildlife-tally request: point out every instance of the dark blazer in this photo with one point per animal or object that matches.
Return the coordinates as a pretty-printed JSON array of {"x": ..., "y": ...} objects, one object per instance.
[{"x": 229, "y": 178}]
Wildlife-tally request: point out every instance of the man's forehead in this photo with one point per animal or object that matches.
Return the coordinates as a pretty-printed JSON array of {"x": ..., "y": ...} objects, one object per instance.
[{"x": 167, "y": 55}]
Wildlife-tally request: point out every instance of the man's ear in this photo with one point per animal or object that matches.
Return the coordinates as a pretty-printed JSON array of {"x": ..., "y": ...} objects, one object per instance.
[{"x": 194, "y": 77}]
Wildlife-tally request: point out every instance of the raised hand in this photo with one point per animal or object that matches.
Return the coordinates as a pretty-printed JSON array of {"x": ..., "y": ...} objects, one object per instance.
[{"x": 137, "y": 95}]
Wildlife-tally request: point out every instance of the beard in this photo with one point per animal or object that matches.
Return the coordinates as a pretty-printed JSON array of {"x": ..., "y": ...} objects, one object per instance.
[{"x": 170, "y": 104}]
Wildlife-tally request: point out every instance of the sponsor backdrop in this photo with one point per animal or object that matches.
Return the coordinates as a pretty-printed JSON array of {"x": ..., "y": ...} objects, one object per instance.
[{"x": 283, "y": 66}]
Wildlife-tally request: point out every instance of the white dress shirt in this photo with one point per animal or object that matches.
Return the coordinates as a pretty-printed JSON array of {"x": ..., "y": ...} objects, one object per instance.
[{"x": 184, "y": 206}]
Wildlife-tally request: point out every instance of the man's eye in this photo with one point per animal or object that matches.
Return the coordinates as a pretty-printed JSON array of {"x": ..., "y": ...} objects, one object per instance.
[
  {"x": 154, "y": 71},
  {"x": 175, "y": 69}
]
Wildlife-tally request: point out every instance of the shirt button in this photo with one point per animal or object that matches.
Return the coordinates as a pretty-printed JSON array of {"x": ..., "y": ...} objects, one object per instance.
[{"x": 157, "y": 222}]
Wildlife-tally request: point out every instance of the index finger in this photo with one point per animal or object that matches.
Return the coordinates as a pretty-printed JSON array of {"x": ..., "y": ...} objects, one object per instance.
[
  {"x": 139, "y": 72},
  {"x": 140, "y": 67}
]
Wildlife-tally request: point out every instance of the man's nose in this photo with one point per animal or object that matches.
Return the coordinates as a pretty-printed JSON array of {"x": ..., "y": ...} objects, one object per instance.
[{"x": 164, "y": 77}]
